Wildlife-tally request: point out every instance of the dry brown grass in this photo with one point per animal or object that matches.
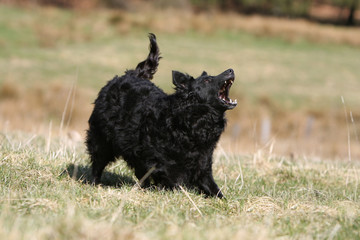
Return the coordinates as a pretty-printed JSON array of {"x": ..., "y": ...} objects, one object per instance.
[
  {"x": 177, "y": 21},
  {"x": 32, "y": 109},
  {"x": 144, "y": 15}
]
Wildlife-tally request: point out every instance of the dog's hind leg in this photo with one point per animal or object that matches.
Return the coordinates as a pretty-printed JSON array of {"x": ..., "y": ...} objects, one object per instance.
[
  {"x": 98, "y": 165},
  {"x": 101, "y": 155},
  {"x": 147, "y": 68}
]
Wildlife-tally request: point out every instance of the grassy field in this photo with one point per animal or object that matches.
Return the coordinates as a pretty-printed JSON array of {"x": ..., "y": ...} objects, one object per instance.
[
  {"x": 44, "y": 195},
  {"x": 295, "y": 73}
]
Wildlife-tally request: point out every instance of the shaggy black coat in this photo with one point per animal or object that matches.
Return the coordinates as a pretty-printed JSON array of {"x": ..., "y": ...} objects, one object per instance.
[{"x": 167, "y": 139}]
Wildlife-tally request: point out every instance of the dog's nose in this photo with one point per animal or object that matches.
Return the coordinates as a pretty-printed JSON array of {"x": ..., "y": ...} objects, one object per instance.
[{"x": 230, "y": 71}]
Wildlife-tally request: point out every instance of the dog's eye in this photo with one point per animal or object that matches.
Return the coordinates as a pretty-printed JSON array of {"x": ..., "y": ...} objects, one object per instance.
[{"x": 207, "y": 80}]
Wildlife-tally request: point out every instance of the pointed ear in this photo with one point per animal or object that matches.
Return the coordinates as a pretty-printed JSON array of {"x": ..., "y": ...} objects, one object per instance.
[
  {"x": 180, "y": 80},
  {"x": 204, "y": 73}
]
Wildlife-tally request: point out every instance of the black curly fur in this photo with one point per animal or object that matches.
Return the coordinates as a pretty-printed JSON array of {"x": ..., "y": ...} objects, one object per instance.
[
  {"x": 147, "y": 68},
  {"x": 169, "y": 138}
]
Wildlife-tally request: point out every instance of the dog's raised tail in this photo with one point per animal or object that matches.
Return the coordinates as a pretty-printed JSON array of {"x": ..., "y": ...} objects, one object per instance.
[{"x": 147, "y": 68}]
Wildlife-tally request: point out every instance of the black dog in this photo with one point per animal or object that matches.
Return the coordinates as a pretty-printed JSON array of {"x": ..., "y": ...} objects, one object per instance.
[{"x": 167, "y": 139}]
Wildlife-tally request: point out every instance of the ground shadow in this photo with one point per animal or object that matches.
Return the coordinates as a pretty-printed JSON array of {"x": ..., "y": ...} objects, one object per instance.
[{"x": 83, "y": 174}]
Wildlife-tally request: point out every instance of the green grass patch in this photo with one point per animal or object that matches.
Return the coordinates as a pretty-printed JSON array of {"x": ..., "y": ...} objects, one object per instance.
[{"x": 44, "y": 194}]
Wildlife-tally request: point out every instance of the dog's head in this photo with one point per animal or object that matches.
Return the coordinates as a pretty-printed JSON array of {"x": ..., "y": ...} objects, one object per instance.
[{"x": 213, "y": 90}]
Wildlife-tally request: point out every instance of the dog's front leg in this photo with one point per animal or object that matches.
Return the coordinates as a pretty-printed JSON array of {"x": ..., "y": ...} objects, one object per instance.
[{"x": 208, "y": 186}]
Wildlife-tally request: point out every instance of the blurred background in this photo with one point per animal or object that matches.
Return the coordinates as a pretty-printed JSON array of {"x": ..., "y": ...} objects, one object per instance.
[{"x": 297, "y": 65}]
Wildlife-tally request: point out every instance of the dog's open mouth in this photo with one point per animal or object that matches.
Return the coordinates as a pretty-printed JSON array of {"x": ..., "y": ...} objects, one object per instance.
[{"x": 224, "y": 94}]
